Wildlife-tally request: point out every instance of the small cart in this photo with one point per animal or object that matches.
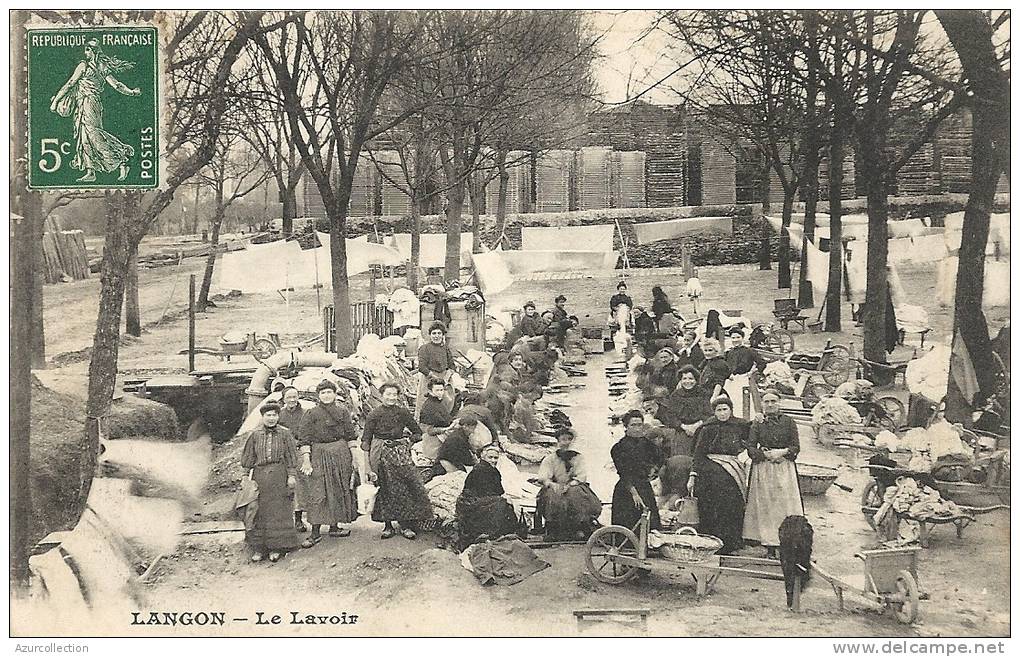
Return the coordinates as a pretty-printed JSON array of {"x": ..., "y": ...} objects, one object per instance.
[{"x": 890, "y": 579}]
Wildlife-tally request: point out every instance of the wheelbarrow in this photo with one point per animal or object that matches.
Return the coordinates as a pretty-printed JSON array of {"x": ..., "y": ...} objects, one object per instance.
[{"x": 890, "y": 580}]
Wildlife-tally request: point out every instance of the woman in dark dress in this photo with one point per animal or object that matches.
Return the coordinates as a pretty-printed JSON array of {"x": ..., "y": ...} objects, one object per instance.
[
  {"x": 718, "y": 479},
  {"x": 566, "y": 504},
  {"x": 690, "y": 352},
  {"x": 683, "y": 411},
  {"x": 660, "y": 306},
  {"x": 773, "y": 491},
  {"x": 482, "y": 511},
  {"x": 455, "y": 453},
  {"x": 635, "y": 458},
  {"x": 435, "y": 361},
  {"x": 327, "y": 462},
  {"x": 270, "y": 453},
  {"x": 659, "y": 376},
  {"x": 401, "y": 497}
]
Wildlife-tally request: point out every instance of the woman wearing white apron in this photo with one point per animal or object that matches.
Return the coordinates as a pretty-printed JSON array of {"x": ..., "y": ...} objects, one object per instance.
[{"x": 773, "y": 491}]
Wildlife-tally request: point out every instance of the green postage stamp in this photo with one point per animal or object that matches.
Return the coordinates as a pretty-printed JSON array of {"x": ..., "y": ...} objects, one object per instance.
[{"x": 94, "y": 107}]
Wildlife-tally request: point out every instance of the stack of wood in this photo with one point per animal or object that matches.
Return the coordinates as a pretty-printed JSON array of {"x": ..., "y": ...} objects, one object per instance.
[
  {"x": 552, "y": 181},
  {"x": 517, "y": 187},
  {"x": 918, "y": 176},
  {"x": 394, "y": 201},
  {"x": 718, "y": 174},
  {"x": 593, "y": 167},
  {"x": 954, "y": 146},
  {"x": 665, "y": 182},
  {"x": 628, "y": 179},
  {"x": 64, "y": 254}
]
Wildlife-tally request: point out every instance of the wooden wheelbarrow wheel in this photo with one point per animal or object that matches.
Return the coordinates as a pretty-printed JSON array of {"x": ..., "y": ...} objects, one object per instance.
[
  {"x": 906, "y": 607},
  {"x": 606, "y": 543}
]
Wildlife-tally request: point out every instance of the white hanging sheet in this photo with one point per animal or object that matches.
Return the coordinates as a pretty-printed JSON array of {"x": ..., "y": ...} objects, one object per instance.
[
  {"x": 568, "y": 238},
  {"x": 673, "y": 228},
  {"x": 433, "y": 248}
]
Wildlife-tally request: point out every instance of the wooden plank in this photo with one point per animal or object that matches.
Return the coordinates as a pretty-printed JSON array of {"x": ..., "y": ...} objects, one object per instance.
[{"x": 581, "y": 613}]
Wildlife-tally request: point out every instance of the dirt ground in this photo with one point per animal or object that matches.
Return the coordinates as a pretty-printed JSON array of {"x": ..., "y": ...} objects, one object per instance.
[{"x": 382, "y": 581}]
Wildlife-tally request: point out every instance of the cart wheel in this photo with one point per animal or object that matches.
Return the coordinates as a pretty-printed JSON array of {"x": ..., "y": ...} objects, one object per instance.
[
  {"x": 906, "y": 611},
  {"x": 605, "y": 544},
  {"x": 871, "y": 496},
  {"x": 780, "y": 341},
  {"x": 894, "y": 408},
  {"x": 835, "y": 365},
  {"x": 815, "y": 392},
  {"x": 263, "y": 348}
]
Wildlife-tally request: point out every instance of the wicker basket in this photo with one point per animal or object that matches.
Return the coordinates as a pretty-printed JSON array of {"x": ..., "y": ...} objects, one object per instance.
[
  {"x": 687, "y": 546},
  {"x": 815, "y": 479}
]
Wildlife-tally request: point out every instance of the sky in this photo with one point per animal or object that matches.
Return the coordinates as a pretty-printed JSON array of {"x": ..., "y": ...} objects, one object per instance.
[{"x": 630, "y": 63}]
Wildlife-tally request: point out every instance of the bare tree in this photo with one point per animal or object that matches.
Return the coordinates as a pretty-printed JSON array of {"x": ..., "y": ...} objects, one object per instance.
[
  {"x": 973, "y": 35},
  {"x": 351, "y": 58},
  {"x": 233, "y": 173}
]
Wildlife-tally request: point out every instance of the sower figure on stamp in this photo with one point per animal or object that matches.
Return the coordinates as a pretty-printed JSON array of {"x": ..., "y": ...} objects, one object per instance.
[{"x": 95, "y": 148}]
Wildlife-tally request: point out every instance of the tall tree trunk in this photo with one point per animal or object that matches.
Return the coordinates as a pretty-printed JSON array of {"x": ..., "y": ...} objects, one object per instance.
[
  {"x": 874, "y": 168},
  {"x": 105, "y": 345},
  {"x": 784, "y": 238},
  {"x": 23, "y": 278},
  {"x": 210, "y": 260},
  {"x": 810, "y": 143},
  {"x": 454, "y": 210},
  {"x": 288, "y": 199},
  {"x": 194, "y": 214},
  {"x": 413, "y": 265},
  {"x": 132, "y": 315},
  {"x": 970, "y": 32},
  {"x": 477, "y": 198},
  {"x": 833, "y": 292},
  {"x": 345, "y": 344},
  {"x": 765, "y": 246},
  {"x": 504, "y": 188},
  {"x": 34, "y": 215}
]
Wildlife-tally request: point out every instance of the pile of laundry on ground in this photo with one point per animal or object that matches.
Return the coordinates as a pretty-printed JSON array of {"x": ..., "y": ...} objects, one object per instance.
[{"x": 910, "y": 498}]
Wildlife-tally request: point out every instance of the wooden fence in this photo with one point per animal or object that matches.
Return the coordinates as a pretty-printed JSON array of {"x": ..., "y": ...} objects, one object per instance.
[{"x": 366, "y": 318}]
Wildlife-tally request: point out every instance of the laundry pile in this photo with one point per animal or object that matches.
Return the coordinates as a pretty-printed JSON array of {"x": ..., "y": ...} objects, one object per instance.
[
  {"x": 443, "y": 492},
  {"x": 929, "y": 375},
  {"x": 938, "y": 441},
  {"x": 910, "y": 498},
  {"x": 779, "y": 375},
  {"x": 834, "y": 410},
  {"x": 453, "y": 292}
]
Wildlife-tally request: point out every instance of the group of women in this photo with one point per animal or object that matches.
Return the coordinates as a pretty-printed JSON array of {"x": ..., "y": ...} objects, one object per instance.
[{"x": 303, "y": 462}]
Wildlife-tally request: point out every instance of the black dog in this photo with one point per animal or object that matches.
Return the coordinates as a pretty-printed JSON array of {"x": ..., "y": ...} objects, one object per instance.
[{"x": 796, "y": 537}]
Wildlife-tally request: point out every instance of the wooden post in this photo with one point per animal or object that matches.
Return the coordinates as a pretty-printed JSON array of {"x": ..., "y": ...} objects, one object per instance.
[
  {"x": 685, "y": 256},
  {"x": 191, "y": 323}
]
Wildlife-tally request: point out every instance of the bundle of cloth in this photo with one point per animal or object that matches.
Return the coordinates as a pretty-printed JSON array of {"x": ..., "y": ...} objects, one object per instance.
[
  {"x": 916, "y": 500},
  {"x": 834, "y": 410},
  {"x": 937, "y": 442},
  {"x": 928, "y": 375},
  {"x": 779, "y": 375},
  {"x": 443, "y": 492},
  {"x": 404, "y": 305}
]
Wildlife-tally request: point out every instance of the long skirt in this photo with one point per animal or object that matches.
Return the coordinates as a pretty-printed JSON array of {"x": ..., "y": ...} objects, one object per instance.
[
  {"x": 331, "y": 498},
  {"x": 720, "y": 506},
  {"x": 772, "y": 494},
  {"x": 490, "y": 515},
  {"x": 568, "y": 512},
  {"x": 274, "y": 520},
  {"x": 401, "y": 496},
  {"x": 302, "y": 491},
  {"x": 625, "y": 512}
]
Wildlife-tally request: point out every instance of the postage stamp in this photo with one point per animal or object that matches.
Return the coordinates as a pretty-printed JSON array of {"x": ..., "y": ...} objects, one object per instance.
[{"x": 94, "y": 107}]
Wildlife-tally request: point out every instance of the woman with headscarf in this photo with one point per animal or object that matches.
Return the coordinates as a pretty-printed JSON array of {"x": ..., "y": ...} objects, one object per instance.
[
  {"x": 773, "y": 491},
  {"x": 683, "y": 411},
  {"x": 662, "y": 374},
  {"x": 327, "y": 461},
  {"x": 401, "y": 497},
  {"x": 270, "y": 453},
  {"x": 718, "y": 478},
  {"x": 481, "y": 508},
  {"x": 291, "y": 414},
  {"x": 566, "y": 504},
  {"x": 636, "y": 458}
]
